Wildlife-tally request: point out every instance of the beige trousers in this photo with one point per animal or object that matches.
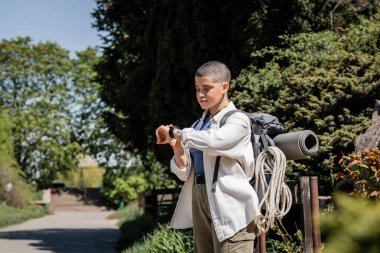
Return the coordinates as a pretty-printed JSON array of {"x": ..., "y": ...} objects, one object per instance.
[{"x": 205, "y": 240}]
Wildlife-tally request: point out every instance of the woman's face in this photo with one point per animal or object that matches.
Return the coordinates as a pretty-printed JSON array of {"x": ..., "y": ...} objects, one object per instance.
[{"x": 209, "y": 94}]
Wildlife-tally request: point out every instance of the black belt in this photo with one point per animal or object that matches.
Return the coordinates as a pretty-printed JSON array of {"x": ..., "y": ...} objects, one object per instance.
[{"x": 199, "y": 179}]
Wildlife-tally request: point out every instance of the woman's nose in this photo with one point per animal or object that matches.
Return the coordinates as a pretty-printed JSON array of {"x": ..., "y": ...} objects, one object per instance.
[{"x": 201, "y": 94}]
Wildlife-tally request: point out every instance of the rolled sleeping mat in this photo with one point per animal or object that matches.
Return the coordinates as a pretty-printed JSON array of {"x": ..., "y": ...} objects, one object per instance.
[{"x": 297, "y": 145}]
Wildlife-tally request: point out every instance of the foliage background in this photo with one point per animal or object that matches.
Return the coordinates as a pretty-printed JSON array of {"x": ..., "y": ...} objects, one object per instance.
[
  {"x": 314, "y": 64},
  {"x": 326, "y": 82},
  {"x": 304, "y": 61},
  {"x": 353, "y": 227}
]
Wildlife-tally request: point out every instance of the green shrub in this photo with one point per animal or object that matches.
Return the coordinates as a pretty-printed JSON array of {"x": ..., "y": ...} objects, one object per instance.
[
  {"x": 362, "y": 170},
  {"x": 21, "y": 194},
  {"x": 353, "y": 227},
  {"x": 125, "y": 183},
  {"x": 164, "y": 240},
  {"x": 125, "y": 189},
  {"x": 11, "y": 215},
  {"x": 326, "y": 82},
  {"x": 284, "y": 242}
]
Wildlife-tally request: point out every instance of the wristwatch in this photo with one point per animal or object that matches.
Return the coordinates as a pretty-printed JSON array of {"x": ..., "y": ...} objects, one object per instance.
[{"x": 171, "y": 129}]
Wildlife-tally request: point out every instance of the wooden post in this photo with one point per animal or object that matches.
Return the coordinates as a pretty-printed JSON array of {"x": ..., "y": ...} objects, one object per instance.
[
  {"x": 306, "y": 214},
  {"x": 315, "y": 214},
  {"x": 262, "y": 243}
]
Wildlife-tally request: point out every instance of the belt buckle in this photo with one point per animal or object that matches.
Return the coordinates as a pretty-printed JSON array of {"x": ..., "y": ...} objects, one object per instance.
[{"x": 198, "y": 180}]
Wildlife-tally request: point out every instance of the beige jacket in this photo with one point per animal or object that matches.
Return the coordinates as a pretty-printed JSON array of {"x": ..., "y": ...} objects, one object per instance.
[{"x": 234, "y": 205}]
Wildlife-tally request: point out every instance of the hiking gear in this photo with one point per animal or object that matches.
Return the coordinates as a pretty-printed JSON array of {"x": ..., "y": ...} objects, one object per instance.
[
  {"x": 263, "y": 128},
  {"x": 297, "y": 145},
  {"x": 269, "y": 160}
]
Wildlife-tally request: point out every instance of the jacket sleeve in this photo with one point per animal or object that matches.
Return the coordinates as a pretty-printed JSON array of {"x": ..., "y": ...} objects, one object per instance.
[
  {"x": 227, "y": 140},
  {"x": 181, "y": 173}
]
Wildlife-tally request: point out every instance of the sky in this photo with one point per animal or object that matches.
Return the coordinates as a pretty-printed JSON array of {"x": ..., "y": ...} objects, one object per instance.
[{"x": 66, "y": 22}]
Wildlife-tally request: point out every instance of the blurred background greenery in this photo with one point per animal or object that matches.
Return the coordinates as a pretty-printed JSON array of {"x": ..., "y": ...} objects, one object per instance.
[{"x": 313, "y": 64}]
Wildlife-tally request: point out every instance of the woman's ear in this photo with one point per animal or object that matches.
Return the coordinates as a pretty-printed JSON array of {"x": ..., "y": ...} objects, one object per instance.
[{"x": 226, "y": 86}]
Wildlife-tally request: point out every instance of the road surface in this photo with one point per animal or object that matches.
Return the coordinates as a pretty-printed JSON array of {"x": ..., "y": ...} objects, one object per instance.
[{"x": 62, "y": 232}]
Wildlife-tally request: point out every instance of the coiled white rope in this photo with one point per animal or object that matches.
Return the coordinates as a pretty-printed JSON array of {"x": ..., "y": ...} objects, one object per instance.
[{"x": 277, "y": 197}]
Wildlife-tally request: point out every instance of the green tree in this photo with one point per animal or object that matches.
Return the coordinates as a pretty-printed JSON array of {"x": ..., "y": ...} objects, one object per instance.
[
  {"x": 6, "y": 139},
  {"x": 35, "y": 83},
  {"x": 55, "y": 105},
  {"x": 93, "y": 135},
  {"x": 326, "y": 82},
  {"x": 275, "y": 18},
  {"x": 153, "y": 49}
]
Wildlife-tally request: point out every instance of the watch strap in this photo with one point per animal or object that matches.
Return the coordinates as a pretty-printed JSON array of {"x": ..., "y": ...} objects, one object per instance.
[{"x": 171, "y": 129}]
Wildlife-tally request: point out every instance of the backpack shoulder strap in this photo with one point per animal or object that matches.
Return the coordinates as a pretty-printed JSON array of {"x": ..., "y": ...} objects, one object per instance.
[
  {"x": 217, "y": 162},
  {"x": 227, "y": 115},
  {"x": 215, "y": 176}
]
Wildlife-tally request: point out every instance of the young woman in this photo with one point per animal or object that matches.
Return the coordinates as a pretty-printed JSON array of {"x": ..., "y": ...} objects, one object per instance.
[{"x": 224, "y": 216}]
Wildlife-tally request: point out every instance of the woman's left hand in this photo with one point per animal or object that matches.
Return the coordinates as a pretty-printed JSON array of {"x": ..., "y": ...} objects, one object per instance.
[{"x": 162, "y": 135}]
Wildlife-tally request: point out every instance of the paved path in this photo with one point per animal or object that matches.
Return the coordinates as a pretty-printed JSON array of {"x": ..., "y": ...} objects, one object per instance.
[{"x": 62, "y": 232}]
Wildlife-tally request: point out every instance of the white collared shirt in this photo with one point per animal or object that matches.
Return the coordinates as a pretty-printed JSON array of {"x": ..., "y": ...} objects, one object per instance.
[{"x": 234, "y": 204}]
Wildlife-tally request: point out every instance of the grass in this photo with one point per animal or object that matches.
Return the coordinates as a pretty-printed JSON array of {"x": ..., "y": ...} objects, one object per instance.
[
  {"x": 11, "y": 215},
  {"x": 130, "y": 212},
  {"x": 139, "y": 233},
  {"x": 164, "y": 240},
  {"x": 133, "y": 225}
]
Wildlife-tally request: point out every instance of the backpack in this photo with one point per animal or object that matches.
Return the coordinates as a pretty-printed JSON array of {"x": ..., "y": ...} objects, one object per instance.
[{"x": 264, "y": 127}]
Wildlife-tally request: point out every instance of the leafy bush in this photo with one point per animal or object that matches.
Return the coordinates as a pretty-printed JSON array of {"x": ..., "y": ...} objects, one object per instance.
[
  {"x": 125, "y": 183},
  {"x": 125, "y": 189},
  {"x": 362, "y": 169},
  {"x": 326, "y": 82},
  {"x": 11, "y": 215},
  {"x": 353, "y": 227},
  {"x": 164, "y": 240},
  {"x": 285, "y": 243},
  {"x": 21, "y": 194}
]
